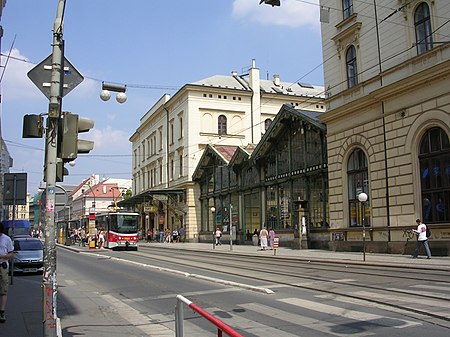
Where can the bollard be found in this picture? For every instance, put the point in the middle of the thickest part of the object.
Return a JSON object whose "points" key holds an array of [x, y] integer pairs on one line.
{"points": [[276, 243]]}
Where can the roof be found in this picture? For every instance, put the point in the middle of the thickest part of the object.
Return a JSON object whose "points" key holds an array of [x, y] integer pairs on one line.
{"points": [[223, 152], [286, 113], [266, 86], [147, 196]]}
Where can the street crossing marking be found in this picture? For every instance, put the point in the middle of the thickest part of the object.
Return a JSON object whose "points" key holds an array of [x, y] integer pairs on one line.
{"points": [[343, 312], [250, 327], [142, 322], [424, 293], [413, 301], [307, 322], [187, 294], [430, 286], [365, 304]]}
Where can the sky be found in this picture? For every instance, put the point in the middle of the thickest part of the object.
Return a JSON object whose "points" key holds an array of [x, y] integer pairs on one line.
{"points": [[153, 47]]}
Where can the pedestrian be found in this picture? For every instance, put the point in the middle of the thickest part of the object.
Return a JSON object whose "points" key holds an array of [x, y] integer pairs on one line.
{"points": [[174, 235], [83, 237], [149, 235], [167, 235], [6, 253], [218, 235], [422, 239], [263, 235], [182, 234], [256, 232], [271, 237], [101, 239], [161, 235]]}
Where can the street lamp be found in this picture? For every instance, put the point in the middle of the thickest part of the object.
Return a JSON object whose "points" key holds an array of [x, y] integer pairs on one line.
{"points": [[362, 197], [105, 94], [213, 211]]}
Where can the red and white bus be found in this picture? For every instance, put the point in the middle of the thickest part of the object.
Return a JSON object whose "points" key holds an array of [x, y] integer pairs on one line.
{"points": [[121, 229]]}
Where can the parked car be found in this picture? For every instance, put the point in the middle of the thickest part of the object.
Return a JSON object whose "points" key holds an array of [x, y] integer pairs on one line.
{"points": [[28, 255]]}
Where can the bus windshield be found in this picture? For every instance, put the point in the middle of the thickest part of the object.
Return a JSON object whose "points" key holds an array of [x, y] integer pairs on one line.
{"points": [[124, 224]]}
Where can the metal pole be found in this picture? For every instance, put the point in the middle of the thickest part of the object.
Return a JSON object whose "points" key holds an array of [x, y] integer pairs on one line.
{"points": [[13, 227], [231, 228], [364, 233], [54, 110], [179, 319]]}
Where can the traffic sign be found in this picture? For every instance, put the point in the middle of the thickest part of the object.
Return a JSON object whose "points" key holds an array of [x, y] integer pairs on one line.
{"points": [[41, 76]]}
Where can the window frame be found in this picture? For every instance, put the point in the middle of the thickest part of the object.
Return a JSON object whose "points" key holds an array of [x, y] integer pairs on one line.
{"points": [[222, 125], [423, 28], [347, 8], [351, 66], [358, 182], [434, 170]]}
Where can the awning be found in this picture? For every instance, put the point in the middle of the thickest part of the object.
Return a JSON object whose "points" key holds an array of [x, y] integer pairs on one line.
{"points": [[147, 196]]}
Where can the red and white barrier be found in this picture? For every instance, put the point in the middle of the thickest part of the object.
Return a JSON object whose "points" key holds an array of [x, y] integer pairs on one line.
{"points": [[179, 319]]}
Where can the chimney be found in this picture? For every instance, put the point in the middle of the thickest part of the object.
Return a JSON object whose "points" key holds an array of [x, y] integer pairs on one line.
{"points": [[255, 117], [276, 80], [234, 73]]}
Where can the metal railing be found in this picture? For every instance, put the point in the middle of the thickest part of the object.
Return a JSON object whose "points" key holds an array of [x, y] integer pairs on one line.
{"points": [[179, 319]]}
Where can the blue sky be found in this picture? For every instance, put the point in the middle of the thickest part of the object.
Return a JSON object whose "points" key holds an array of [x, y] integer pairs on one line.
{"points": [[150, 46]]}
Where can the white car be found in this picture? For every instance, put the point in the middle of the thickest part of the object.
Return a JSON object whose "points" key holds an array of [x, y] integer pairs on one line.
{"points": [[28, 255]]}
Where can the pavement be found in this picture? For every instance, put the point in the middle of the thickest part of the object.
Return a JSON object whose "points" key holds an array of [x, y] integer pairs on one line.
{"points": [[24, 307]]}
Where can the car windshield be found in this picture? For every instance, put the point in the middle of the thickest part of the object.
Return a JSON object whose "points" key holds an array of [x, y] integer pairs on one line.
{"points": [[27, 245]]}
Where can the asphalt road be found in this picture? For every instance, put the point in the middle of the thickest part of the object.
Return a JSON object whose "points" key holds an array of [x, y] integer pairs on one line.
{"points": [[134, 294]]}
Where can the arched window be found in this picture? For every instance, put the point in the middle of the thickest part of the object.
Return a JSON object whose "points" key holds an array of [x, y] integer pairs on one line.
{"points": [[222, 125], [422, 24], [352, 69], [347, 8], [357, 175], [267, 123], [434, 159]]}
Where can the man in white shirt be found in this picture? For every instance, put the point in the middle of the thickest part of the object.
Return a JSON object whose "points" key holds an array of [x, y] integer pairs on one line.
{"points": [[263, 235], [422, 239], [6, 253]]}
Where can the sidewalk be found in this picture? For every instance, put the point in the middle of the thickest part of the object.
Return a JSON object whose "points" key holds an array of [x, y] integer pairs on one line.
{"points": [[316, 255], [24, 308]]}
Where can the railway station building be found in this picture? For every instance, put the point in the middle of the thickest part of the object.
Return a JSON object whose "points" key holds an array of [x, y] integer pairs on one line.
{"points": [[167, 146]]}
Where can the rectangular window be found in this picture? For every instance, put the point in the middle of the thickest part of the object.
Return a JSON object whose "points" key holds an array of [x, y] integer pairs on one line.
{"points": [[347, 8]]}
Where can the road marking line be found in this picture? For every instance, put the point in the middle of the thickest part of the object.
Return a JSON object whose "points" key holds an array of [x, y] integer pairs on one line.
{"points": [[415, 302], [188, 294], [365, 303], [200, 277], [342, 312], [142, 322], [307, 322], [247, 326]]}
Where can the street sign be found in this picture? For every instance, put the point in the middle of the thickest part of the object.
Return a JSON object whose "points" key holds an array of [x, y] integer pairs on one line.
{"points": [[41, 76], [15, 189]]}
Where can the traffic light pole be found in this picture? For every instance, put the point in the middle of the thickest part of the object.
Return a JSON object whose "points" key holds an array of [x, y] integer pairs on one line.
{"points": [[51, 142]]}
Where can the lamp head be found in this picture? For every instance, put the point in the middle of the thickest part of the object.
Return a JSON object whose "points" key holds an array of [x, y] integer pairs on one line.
{"points": [[213, 209], [121, 97], [362, 197], [105, 95]]}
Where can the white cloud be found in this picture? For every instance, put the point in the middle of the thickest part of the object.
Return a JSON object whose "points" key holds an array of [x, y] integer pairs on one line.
{"points": [[109, 140], [15, 83], [291, 13]]}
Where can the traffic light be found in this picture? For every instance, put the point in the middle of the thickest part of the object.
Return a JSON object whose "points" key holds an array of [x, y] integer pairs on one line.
{"points": [[70, 125], [33, 126]]}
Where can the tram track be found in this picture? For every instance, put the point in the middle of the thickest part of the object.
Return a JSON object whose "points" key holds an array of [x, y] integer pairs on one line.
{"points": [[232, 266]]}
